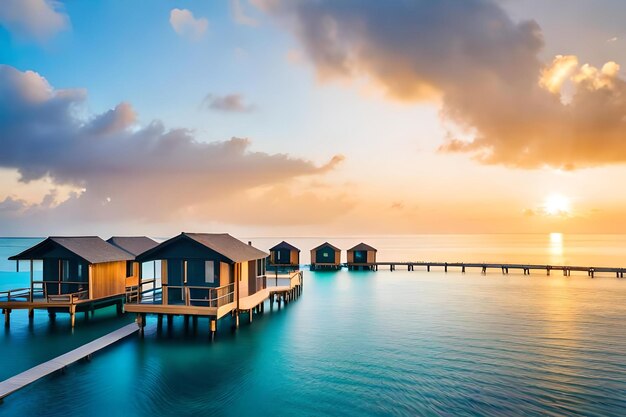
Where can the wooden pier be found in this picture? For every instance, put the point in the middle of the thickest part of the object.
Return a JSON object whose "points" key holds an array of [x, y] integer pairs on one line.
{"points": [[59, 363], [503, 267]]}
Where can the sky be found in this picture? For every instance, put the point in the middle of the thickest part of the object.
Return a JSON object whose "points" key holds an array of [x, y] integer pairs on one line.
{"points": [[312, 118]]}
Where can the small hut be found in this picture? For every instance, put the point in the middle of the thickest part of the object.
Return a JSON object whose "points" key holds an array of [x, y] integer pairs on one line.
{"points": [[285, 255], [134, 245], [361, 257], [78, 274], [325, 257], [203, 275]]}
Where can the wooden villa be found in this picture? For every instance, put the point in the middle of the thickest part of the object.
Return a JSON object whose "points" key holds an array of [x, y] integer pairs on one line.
{"points": [[284, 255], [325, 257], [361, 257], [204, 275], [79, 274], [134, 245]]}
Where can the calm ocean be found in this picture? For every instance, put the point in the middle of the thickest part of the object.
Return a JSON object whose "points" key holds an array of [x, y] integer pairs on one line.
{"points": [[361, 343]]}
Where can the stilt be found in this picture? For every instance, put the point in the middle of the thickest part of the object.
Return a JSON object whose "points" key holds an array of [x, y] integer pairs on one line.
{"points": [[7, 317], [31, 313], [119, 308], [72, 316], [428, 268], [445, 267], [250, 316], [52, 315], [212, 328], [141, 322], [159, 321], [236, 319], [463, 269]]}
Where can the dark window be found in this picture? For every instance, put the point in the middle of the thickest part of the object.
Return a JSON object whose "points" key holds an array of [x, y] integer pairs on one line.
{"points": [[129, 269]]}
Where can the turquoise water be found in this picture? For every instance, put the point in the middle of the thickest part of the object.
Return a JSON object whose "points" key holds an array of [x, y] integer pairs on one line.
{"points": [[360, 344]]}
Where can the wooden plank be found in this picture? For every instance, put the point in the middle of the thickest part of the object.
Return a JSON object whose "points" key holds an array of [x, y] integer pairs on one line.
{"points": [[28, 377]]}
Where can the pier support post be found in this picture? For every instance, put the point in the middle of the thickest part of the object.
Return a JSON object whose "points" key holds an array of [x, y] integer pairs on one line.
{"points": [[212, 328], [31, 313], [159, 321], [445, 268], [250, 315], [141, 322], [236, 319], [72, 316], [463, 269], [119, 308], [7, 317]]}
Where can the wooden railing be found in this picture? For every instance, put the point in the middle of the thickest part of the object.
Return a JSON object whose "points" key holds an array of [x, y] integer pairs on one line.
{"points": [[135, 293], [68, 298], [290, 278], [39, 291], [185, 294]]}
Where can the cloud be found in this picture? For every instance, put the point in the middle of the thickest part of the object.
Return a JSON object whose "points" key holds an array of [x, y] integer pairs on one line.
{"points": [[484, 69], [239, 15], [613, 39], [186, 25], [230, 103], [120, 169], [33, 19]]}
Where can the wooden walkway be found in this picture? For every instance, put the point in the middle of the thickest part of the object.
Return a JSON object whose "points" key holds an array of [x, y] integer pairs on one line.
{"points": [[25, 378], [504, 267]]}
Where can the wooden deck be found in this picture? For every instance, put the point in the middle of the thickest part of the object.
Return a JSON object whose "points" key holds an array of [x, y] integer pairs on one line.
{"points": [[28, 377]]}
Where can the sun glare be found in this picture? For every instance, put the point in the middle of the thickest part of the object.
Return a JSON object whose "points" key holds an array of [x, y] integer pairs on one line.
{"points": [[557, 205]]}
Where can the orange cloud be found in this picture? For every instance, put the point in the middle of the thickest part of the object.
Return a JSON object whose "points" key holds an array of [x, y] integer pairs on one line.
{"points": [[483, 66]]}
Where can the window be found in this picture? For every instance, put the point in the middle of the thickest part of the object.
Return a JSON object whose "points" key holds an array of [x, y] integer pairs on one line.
{"points": [[65, 270], [209, 272], [129, 269], [80, 272], [260, 267], [278, 255], [325, 254]]}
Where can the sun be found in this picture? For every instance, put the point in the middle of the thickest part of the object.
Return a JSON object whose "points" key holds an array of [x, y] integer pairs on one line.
{"points": [[557, 205]]}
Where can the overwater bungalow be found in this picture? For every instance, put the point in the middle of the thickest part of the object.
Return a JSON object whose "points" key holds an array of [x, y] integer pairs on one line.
{"points": [[78, 274], [325, 257], [204, 275], [361, 257], [134, 245], [284, 255]]}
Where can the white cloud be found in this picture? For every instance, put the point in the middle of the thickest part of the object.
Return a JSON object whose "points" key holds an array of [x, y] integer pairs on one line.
{"points": [[33, 19], [186, 25]]}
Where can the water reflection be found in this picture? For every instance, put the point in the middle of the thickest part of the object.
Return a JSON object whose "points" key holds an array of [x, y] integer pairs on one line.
{"points": [[556, 248]]}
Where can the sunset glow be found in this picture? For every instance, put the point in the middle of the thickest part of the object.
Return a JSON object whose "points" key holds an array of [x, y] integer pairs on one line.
{"points": [[557, 205], [273, 118]]}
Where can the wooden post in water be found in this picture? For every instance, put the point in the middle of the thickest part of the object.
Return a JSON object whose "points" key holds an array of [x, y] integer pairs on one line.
{"points": [[7, 317], [72, 315]]}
